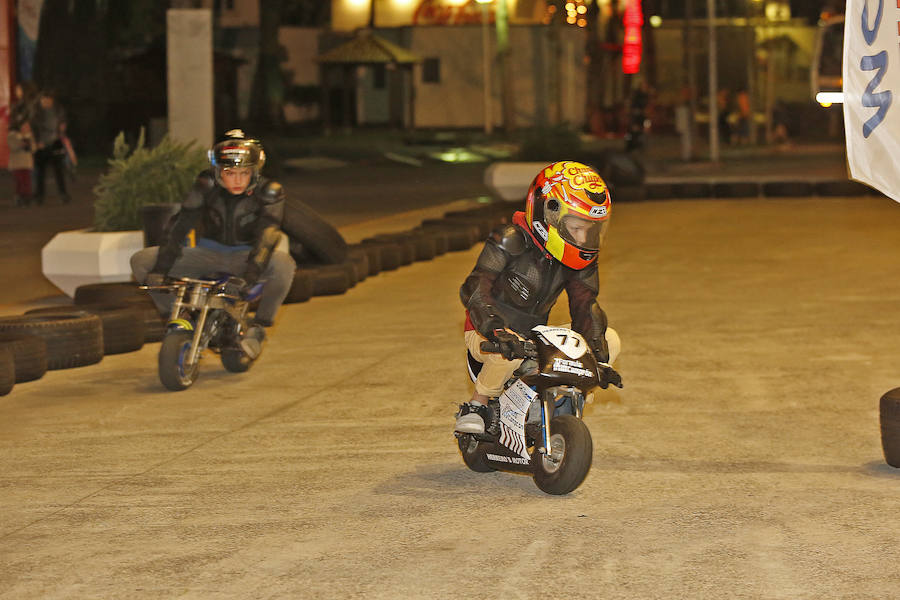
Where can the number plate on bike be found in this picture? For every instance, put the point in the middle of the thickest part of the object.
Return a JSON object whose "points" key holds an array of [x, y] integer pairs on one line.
{"points": [[569, 343]]}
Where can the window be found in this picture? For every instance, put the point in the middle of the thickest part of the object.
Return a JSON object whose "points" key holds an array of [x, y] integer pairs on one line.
{"points": [[379, 76], [431, 70]]}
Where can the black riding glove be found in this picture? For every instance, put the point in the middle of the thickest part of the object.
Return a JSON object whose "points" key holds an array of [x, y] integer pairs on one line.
{"points": [[608, 376], [511, 346]]}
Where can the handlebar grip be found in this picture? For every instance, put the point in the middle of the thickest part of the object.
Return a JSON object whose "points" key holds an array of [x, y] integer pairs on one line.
{"points": [[490, 347]]}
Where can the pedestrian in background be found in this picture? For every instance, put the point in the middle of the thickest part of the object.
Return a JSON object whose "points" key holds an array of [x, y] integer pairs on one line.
{"points": [[21, 148], [49, 127]]}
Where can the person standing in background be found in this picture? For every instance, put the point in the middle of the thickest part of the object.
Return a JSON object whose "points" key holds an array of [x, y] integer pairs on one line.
{"points": [[48, 125]]}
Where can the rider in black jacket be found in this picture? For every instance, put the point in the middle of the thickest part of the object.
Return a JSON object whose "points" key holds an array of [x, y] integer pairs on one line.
{"points": [[236, 215], [525, 266]]}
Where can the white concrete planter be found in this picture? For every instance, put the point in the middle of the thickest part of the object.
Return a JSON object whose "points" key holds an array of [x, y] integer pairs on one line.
{"points": [[74, 258], [510, 180]]}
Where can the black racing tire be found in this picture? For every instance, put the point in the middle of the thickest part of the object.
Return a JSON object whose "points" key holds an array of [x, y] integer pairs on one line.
{"points": [[441, 240], [7, 371], [360, 260], [317, 236], [571, 437], [154, 323], [423, 246], [235, 360], [484, 225], [29, 355], [108, 293], [407, 247], [172, 354], [736, 189], [328, 280], [841, 188], [889, 417], [780, 189], [692, 189], [72, 340], [473, 454], [123, 324], [658, 191], [628, 193], [301, 287], [460, 236], [373, 254], [390, 255]]}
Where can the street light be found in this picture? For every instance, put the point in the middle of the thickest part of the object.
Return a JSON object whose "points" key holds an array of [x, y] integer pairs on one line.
{"points": [[485, 45]]}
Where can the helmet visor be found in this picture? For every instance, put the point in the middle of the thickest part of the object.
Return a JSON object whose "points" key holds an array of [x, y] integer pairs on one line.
{"points": [[582, 233]]}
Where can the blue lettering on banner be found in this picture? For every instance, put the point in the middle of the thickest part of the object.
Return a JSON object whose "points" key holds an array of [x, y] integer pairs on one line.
{"points": [[879, 63], [870, 98], [870, 34]]}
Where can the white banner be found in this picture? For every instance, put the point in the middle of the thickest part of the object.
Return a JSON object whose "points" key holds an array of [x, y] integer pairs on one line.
{"points": [[871, 74]]}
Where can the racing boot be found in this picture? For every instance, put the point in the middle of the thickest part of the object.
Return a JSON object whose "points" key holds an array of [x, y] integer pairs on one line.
{"points": [[252, 341], [471, 417]]}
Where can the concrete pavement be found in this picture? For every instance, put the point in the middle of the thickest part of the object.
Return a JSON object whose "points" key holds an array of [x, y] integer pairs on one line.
{"points": [[741, 460]]}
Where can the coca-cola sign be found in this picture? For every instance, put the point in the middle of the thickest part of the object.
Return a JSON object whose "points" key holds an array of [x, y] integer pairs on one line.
{"points": [[443, 12]]}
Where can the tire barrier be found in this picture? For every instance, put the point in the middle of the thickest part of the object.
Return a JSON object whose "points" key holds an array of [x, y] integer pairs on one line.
{"points": [[373, 254], [740, 189], [780, 189], [7, 371], [301, 287], [72, 340], [108, 293], [390, 255], [320, 240], [328, 280], [29, 355], [407, 248], [889, 417], [360, 260], [841, 188], [123, 324]]}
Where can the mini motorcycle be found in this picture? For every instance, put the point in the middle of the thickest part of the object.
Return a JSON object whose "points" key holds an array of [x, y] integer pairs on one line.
{"points": [[535, 425], [207, 314]]}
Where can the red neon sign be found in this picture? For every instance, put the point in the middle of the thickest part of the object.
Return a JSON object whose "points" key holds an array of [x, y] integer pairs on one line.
{"points": [[632, 46]]}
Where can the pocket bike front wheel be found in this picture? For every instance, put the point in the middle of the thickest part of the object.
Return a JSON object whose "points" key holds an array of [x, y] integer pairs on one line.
{"points": [[568, 461], [473, 454], [235, 360], [174, 373]]}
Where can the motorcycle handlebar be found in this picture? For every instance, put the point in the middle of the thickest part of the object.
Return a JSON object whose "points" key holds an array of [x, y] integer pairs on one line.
{"points": [[527, 346]]}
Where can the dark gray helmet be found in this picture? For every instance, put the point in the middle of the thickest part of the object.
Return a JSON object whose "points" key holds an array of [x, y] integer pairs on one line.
{"points": [[236, 150]]}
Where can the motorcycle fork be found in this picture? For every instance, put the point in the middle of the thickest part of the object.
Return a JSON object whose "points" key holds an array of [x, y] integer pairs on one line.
{"points": [[198, 298], [548, 407]]}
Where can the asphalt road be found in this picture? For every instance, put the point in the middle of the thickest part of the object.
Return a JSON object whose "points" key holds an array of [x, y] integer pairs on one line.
{"points": [[741, 460]]}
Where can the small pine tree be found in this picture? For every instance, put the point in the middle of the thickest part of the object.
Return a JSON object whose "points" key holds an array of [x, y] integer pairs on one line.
{"points": [[159, 175]]}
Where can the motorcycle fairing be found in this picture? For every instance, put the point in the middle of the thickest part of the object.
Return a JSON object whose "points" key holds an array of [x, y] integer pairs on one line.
{"points": [[514, 404], [568, 342]]}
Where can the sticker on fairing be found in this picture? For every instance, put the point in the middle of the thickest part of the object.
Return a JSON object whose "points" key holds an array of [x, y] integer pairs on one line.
{"points": [[569, 343], [514, 404]]}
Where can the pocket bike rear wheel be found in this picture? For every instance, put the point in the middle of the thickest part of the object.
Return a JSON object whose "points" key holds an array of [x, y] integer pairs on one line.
{"points": [[473, 454], [567, 464], [173, 372]]}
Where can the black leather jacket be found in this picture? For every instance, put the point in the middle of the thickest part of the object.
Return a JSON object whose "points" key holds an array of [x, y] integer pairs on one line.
{"points": [[515, 284], [252, 219]]}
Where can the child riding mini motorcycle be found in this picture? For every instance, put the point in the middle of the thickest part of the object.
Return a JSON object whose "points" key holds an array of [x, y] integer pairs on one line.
{"points": [[550, 247]]}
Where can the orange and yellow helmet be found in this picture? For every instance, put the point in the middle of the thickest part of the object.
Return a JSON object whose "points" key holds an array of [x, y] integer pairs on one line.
{"points": [[567, 209]]}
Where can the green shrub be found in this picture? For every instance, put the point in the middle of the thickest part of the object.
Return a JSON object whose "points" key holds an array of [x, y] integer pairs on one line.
{"points": [[159, 175]]}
